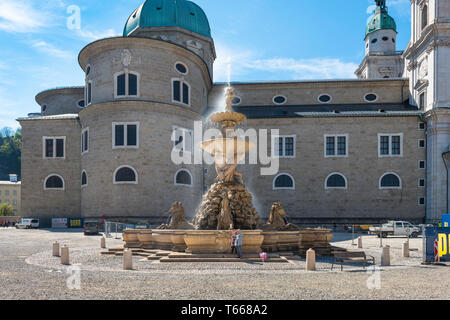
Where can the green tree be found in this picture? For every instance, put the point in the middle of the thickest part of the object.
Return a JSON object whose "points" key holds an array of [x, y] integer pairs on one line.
{"points": [[10, 152], [6, 210]]}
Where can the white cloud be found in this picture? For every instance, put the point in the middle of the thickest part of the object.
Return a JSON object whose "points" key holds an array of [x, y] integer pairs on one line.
{"points": [[52, 50], [246, 62], [21, 17], [96, 35]]}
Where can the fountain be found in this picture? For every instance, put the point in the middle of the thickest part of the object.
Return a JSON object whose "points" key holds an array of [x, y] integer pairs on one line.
{"points": [[228, 205]]}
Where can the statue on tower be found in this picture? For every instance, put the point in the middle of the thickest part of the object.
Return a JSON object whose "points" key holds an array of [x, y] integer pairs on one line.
{"points": [[381, 3]]}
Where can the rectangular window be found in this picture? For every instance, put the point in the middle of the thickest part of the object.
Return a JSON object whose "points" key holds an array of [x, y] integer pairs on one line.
{"points": [[7, 193], [390, 145], [54, 147], [422, 100], [15, 202], [421, 201], [131, 135], [15, 193], [176, 91], [121, 85], [132, 85], [126, 135], [421, 143], [421, 126], [422, 164], [180, 91], [183, 139], [336, 145], [421, 183], [89, 93], [283, 146], [85, 141]]}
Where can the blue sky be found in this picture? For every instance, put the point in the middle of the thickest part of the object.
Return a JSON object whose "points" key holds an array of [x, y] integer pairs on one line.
{"points": [[264, 40]]}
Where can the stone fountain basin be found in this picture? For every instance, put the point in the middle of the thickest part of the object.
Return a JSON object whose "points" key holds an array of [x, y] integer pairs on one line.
{"points": [[131, 238], [145, 237], [219, 241]]}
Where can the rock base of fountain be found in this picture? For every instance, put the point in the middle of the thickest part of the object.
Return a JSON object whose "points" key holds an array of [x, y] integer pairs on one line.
{"points": [[243, 213]]}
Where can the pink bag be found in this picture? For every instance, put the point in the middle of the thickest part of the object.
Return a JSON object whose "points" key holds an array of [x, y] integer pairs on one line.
{"points": [[263, 256]]}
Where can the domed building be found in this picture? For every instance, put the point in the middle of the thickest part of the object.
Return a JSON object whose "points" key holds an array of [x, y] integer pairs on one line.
{"points": [[348, 151]]}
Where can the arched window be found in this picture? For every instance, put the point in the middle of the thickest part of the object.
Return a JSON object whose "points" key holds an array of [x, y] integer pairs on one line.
{"points": [[54, 182], [424, 17], [126, 84], [125, 175], [390, 180], [181, 91], [283, 181], [84, 179], [183, 178], [336, 181]]}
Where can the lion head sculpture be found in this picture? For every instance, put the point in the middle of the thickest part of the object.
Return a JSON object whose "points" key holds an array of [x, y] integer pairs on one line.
{"points": [[278, 219]]}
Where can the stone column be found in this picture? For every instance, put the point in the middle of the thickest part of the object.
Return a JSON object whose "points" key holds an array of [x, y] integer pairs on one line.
{"points": [[360, 245], [310, 260], [65, 255], [438, 144], [127, 259], [103, 243], [386, 256], [56, 249]]}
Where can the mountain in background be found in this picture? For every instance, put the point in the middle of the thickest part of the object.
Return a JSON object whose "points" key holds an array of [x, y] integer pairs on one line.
{"points": [[10, 152]]}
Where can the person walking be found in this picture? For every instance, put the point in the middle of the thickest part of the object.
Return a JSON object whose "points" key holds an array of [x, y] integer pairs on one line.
{"points": [[238, 243], [233, 239]]}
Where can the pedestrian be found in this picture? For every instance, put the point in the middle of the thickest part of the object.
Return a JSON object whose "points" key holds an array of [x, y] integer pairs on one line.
{"points": [[233, 239], [238, 243]]}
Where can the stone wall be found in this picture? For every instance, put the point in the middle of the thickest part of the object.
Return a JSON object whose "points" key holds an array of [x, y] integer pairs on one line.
{"points": [[40, 203]]}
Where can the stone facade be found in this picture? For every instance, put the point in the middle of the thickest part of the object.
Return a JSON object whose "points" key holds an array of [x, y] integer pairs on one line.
{"points": [[359, 109]]}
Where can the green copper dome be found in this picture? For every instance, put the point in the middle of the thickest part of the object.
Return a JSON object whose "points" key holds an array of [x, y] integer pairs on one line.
{"points": [[169, 13], [381, 20]]}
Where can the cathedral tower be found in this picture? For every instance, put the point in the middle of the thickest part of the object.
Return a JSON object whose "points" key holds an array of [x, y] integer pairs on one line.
{"points": [[428, 64], [381, 59]]}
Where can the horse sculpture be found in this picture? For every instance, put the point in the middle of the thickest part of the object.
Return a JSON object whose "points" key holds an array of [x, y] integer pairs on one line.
{"points": [[278, 220], [178, 219]]}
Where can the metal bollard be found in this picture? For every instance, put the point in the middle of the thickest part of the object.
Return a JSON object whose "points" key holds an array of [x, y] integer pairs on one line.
{"points": [[103, 243], [360, 245], [127, 259], [65, 255], [406, 249], [386, 256], [56, 249], [310, 260]]}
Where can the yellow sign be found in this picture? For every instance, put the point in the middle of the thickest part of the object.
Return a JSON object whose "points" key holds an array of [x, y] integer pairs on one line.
{"points": [[443, 247]]}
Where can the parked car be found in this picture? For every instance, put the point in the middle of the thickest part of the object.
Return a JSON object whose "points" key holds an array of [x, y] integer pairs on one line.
{"points": [[27, 223], [90, 227], [396, 228]]}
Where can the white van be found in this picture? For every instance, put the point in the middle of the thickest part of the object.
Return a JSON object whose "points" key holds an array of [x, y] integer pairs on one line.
{"points": [[27, 223]]}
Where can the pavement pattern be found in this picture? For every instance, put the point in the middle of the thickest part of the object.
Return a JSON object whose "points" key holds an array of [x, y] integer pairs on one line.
{"points": [[28, 271]]}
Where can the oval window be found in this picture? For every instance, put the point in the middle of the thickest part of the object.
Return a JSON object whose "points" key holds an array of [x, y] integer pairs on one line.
{"points": [[385, 38], [44, 108], [370, 97], [324, 98], [181, 68], [279, 99], [88, 70], [81, 103], [236, 101], [374, 40]]}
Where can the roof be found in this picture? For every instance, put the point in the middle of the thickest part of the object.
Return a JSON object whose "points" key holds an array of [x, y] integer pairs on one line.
{"points": [[6, 182], [54, 117], [329, 110], [381, 20], [168, 13]]}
